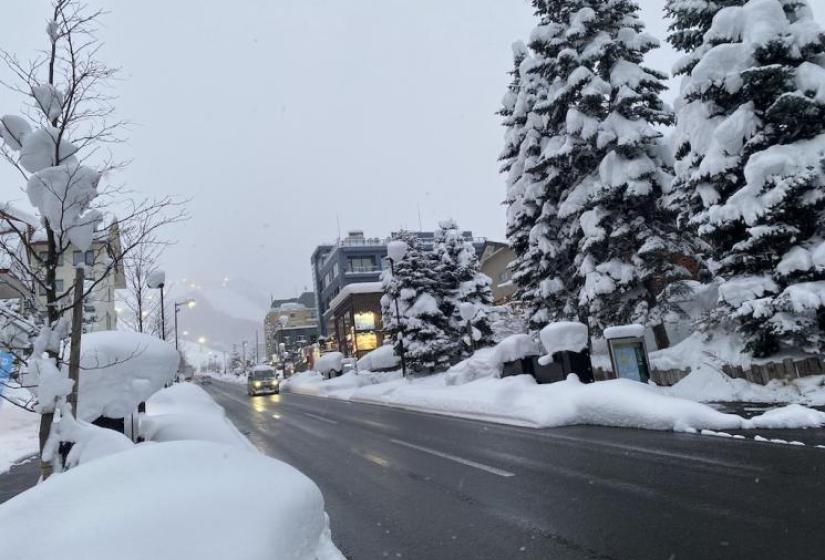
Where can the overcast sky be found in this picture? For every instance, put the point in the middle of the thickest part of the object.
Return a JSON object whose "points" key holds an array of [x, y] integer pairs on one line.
{"points": [[282, 117]]}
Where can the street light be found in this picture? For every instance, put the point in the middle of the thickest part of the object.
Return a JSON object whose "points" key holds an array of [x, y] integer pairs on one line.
{"points": [[157, 280], [467, 311], [395, 252], [190, 303]]}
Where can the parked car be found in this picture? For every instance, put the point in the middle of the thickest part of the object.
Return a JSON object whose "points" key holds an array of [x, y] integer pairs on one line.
{"points": [[262, 380]]}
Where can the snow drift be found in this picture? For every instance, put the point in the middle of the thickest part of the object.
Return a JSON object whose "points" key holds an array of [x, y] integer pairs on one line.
{"points": [[171, 501]]}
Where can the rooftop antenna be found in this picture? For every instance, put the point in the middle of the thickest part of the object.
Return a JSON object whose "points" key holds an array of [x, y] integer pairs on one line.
{"points": [[338, 221], [420, 227]]}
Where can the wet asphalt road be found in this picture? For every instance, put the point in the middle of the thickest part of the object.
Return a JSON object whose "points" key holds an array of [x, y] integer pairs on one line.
{"points": [[401, 484]]}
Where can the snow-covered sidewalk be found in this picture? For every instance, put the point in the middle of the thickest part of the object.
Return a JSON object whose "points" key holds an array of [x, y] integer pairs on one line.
{"points": [[197, 489], [18, 432], [519, 400]]}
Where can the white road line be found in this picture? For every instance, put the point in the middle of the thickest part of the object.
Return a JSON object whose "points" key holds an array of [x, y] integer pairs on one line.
{"points": [[467, 462], [321, 418]]}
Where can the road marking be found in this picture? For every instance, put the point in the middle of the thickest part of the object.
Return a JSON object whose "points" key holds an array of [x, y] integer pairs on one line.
{"points": [[321, 418], [466, 462]]}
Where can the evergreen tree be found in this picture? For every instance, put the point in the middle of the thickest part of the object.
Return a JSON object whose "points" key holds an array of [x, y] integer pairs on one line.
{"points": [[750, 146], [525, 130], [690, 20], [602, 248], [425, 330], [463, 282]]}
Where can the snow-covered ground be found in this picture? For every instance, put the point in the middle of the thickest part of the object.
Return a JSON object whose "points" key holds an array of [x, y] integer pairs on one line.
{"points": [[197, 489], [474, 389], [18, 432], [220, 376]]}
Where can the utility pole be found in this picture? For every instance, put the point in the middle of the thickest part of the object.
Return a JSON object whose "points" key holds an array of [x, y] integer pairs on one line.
{"points": [[256, 347]]}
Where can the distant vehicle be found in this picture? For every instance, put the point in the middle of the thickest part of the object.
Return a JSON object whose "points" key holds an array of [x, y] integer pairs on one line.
{"points": [[262, 380]]}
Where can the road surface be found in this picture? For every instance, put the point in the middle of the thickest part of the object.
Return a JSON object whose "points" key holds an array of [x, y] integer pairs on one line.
{"points": [[400, 484]]}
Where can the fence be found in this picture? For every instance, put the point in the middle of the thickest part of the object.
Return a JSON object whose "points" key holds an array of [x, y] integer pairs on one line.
{"points": [[758, 373]]}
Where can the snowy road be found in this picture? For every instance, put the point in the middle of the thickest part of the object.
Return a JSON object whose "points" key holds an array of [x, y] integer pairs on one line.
{"points": [[401, 484]]}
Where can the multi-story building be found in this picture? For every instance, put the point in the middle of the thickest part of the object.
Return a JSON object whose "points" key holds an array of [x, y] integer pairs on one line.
{"points": [[103, 275], [292, 323], [495, 262], [356, 259]]}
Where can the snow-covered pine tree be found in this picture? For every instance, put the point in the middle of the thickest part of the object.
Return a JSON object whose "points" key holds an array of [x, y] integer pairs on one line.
{"points": [[599, 245], [689, 21], [750, 143], [542, 228], [628, 257], [463, 282], [523, 139], [428, 343]]}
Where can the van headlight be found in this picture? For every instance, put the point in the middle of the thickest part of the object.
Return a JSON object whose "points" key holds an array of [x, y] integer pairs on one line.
{"points": [[257, 384]]}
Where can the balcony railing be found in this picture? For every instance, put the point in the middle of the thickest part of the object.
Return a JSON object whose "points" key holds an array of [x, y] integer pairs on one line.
{"points": [[363, 270]]}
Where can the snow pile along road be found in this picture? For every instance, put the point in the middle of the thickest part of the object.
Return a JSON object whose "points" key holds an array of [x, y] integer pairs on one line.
{"points": [[186, 412], [474, 389], [187, 500], [197, 490]]}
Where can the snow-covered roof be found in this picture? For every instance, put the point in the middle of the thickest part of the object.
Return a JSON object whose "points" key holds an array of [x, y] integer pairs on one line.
{"points": [[355, 288]]}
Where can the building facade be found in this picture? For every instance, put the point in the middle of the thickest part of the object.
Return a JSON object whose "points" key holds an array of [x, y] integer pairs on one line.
{"points": [[356, 318], [495, 263], [357, 259], [104, 273], [289, 326]]}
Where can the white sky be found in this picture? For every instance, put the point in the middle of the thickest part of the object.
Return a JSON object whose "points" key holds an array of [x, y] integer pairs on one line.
{"points": [[279, 116]]}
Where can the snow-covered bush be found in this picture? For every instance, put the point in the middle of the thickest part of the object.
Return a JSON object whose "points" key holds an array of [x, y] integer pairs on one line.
{"points": [[119, 370]]}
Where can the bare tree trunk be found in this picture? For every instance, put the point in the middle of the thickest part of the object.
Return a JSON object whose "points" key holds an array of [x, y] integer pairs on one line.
{"points": [[77, 331]]}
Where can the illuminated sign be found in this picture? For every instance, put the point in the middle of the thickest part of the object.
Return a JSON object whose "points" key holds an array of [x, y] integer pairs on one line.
{"points": [[365, 321]]}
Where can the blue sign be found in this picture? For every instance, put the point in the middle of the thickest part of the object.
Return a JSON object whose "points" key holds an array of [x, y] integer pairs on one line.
{"points": [[6, 367]]}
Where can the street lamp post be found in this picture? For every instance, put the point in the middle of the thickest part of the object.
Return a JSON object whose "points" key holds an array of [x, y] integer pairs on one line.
{"points": [[157, 280], [395, 252], [190, 303], [467, 311]]}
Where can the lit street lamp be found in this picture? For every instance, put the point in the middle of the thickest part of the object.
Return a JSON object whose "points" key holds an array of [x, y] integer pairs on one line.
{"points": [[190, 303], [395, 252]]}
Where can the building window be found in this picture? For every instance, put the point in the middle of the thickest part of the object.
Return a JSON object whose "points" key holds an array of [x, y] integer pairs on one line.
{"points": [[366, 341], [504, 276], [361, 264], [44, 256], [88, 258], [335, 270], [58, 285]]}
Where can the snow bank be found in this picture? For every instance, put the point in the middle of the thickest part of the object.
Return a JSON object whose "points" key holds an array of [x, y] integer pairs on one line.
{"points": [[119, 370], [624, 331], [381, 358], [312, 383], [224, 377], [171, 501], [563, 336], [474, 389], [186, 412], [520, 401], [18, 431]]}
